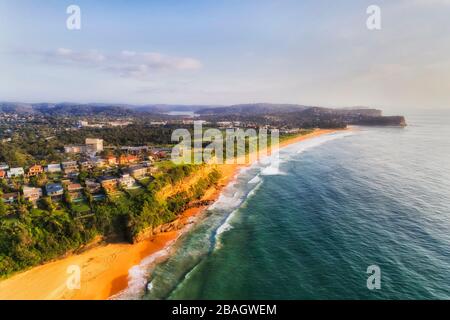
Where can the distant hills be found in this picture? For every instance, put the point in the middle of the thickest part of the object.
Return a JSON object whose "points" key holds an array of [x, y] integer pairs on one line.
{"points": [[255, 108], [285, 114], [77, 109], [120, 109]]}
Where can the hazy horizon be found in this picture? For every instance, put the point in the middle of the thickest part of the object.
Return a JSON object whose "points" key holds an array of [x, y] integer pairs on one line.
{"points": [[228, 52]]}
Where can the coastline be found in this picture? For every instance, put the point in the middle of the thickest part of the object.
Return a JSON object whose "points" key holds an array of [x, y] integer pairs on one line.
{"points": [[104, 269]]}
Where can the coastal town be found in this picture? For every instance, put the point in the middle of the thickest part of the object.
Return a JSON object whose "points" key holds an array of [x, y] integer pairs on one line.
{"points": [[86, 176]]}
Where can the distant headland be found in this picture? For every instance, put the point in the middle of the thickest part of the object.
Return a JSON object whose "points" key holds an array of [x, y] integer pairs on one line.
{"points": [[270, 114]]}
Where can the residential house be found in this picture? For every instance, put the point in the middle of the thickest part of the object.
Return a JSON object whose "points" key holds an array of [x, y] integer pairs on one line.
{"points": [[10, 197], [75, 190], [123, 160], [54, 190], [128, 159], [158, 123], [92, 186], [147, 163], [32, 194], [4, 166], [126, 181], [35, 170], [70, 167], [225, 124], [73, 175], [54, 168], [86, 164], [137, 172], [100, 163], [160, 153], [112, 161], [2, 174], [135, 150], [132, 159], [75, 149], [152, 170], [15, 172], [108, 183]]}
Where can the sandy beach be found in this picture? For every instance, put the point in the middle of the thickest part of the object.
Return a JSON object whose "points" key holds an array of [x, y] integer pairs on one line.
{"points": [[104, 269]]}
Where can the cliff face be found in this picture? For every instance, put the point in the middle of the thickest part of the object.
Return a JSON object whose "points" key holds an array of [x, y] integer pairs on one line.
{"points": [[382, 121], [184, 186]]}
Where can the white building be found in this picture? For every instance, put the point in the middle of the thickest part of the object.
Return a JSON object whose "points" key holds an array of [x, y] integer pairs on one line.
{"points": [[32, 194], [74, 149], [70, 166], [94, 145], [53, 168], [126, 181], [15, 172], [82, 123]]}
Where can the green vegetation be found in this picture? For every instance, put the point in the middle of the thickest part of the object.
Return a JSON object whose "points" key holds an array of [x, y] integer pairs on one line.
{"points": [[30, 236], [43, 141]]}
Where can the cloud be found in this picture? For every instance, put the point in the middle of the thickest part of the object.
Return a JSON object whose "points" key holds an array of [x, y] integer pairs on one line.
{"points": [[129, 64], [139, 65], [63, 55]]}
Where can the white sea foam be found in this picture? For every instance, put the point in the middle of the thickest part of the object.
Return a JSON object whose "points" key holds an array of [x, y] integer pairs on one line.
{"points": [[254, 190], [224, 227], [256, 179], [272, 170], [138, 275], [227, 224], [315, 142], [189, 274], [226, 201], [243, 170]]}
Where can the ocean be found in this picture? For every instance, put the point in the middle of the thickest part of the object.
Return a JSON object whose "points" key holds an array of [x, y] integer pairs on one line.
{"points": [[336, 205]]}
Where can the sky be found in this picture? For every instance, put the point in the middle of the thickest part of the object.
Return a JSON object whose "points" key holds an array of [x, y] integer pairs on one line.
{"points": [[227, 52]]}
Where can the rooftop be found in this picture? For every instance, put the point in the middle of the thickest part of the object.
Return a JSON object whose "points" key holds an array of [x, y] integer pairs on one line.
{"points": [[53, 187]]}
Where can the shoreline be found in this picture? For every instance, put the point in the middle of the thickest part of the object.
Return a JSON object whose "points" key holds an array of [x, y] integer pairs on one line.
{"points": [[105, 268]]}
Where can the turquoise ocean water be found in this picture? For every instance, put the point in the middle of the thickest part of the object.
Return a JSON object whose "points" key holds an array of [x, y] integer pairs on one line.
{"points": [[309, 229]]}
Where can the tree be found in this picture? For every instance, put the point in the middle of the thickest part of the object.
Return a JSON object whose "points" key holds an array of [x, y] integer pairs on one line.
{"points": [[41, 180], [3, 208], [83, 176], [89, 197], [48, 203], [67, 198]]}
